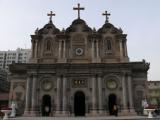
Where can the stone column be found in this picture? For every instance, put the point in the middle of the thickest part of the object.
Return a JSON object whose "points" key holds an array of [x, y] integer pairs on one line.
{"points": [[130, 94], [60, 48], [58, 105], [124, 93], [34, 96], [64, 95], [100, 97], [27, 99], [94, 97]]}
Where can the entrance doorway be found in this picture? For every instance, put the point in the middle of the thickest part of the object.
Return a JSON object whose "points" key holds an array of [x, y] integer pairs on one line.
{"points": [[79, 104], [46, 105], [112, 100]]}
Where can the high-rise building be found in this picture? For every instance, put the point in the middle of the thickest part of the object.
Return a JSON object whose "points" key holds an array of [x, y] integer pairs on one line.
{"points": [[13, 56], [154, 92]]}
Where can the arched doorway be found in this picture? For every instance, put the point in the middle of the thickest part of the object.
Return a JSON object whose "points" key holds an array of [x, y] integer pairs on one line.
{"points": [[112, 100], [79, 104], [46, 105]]}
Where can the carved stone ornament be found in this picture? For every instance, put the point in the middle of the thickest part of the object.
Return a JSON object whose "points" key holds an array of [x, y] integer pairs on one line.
{"points": [[75, 24], [79, 83], [111, 84], [47, 85], [48, 28]]}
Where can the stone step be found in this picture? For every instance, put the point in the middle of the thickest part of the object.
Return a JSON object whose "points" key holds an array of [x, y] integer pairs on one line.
{"points": [[87, 118]]}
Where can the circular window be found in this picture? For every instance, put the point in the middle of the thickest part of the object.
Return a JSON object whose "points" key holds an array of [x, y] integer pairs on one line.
{"points": [[47, 85], [79, 51], [111, 84]]}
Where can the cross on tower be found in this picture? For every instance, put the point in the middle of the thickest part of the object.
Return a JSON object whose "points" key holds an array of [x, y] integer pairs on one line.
{"points": [[51, 14], [106, 14], [78, 9]]}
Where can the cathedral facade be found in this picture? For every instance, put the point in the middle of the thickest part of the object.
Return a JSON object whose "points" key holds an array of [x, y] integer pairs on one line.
{"points": [[78, 71]]}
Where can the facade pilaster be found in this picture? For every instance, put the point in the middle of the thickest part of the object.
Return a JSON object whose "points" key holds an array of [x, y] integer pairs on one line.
{"points": [[34, 96], [121, 50], [125, 49], [32, 48], [64, 49], [60, 49], [94, 97], [64, 95], [97, 49], [36, 48], [124, 93], [131, 106], [100, 106], [98, 59], [27, 99], [58, 101], [93, 50]]}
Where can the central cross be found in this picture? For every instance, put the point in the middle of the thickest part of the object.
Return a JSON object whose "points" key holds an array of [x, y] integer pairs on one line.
{"points": [[51, 14], [106, 14], [78, 9]]}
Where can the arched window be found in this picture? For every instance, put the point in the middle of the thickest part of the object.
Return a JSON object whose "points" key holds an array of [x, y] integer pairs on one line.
{"points": [[48, 45]]}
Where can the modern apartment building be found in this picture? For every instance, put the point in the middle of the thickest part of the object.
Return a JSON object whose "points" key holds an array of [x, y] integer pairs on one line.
{"points": [[4, 84], [13, 56], [6, 58], [4, 88], [154, 92]]}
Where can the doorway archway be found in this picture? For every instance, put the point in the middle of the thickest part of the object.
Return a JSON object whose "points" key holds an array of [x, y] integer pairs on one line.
{"points": [[79, 104], [46, 105], [112, 100]]}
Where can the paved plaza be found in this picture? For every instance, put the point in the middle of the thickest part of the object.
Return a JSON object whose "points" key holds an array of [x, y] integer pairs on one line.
{"points": [[88, 118]]}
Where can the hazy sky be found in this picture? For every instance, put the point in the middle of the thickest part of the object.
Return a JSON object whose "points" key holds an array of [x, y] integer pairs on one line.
{"points": [[140, 19]]}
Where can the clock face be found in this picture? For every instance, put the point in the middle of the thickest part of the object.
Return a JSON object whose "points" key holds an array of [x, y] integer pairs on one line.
{"points": [[79, 51], [47, 85], [111, 84]]}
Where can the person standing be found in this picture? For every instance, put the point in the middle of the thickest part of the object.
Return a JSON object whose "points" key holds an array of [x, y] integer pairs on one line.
{"points": [[115, 109]]}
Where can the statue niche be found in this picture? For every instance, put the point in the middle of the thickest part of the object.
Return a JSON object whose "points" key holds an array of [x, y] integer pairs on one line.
{"points": [[48, 48], [108, 46], [48, 45]]}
